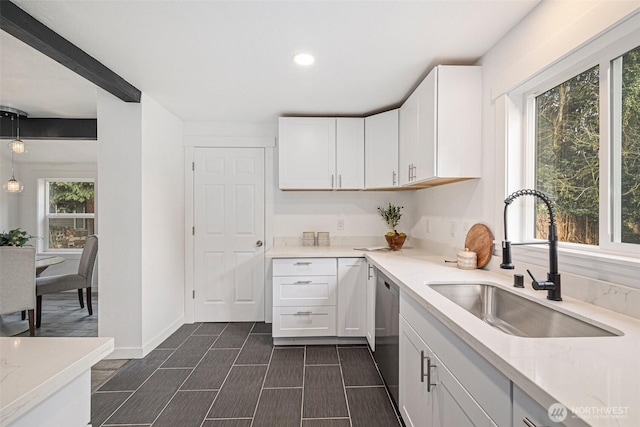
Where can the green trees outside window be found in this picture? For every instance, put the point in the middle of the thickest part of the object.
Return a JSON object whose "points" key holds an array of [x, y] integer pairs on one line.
{"points": [[567, 144]]}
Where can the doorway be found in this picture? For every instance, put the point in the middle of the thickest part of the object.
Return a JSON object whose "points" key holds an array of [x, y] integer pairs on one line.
{"points": [[229, 231]]}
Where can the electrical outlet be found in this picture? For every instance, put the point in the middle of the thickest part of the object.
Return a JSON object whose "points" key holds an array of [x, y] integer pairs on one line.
{"points": [[340, 224], [452, 229], [427, 225]]}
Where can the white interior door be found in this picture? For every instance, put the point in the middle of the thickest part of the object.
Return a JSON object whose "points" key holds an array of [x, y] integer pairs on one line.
{"points": [[229, 231]]}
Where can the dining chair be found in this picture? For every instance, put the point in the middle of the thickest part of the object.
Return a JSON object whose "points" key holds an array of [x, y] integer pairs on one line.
{"points": [[17, 281], [52, 284]]}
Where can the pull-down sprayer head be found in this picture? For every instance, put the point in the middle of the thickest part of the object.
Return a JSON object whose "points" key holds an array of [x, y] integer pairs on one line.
{"points": [[506, 244]]}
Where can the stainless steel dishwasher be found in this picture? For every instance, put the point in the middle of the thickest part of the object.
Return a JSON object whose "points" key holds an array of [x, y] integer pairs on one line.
{"points": [[387, 332]]}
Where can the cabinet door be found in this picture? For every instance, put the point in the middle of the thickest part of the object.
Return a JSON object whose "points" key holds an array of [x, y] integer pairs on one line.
{"points": [[426, 146], [352, 297], [416, 403], [381, 150], [452, 404], [349, 154], [408, 138], [371, 306], [524, 407], [307, 153], [460, 99]]}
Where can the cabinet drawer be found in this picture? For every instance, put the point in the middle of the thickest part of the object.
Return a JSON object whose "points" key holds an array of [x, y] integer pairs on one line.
{"points": [[304, 321], [292, 291], [305, 267]]}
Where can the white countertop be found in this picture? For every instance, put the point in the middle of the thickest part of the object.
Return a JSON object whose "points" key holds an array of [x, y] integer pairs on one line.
{"points": [[584, 374], [314, 252], [33, 368]]}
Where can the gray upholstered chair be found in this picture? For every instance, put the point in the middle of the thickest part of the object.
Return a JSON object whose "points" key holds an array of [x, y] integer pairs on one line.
{"points": [[17, 281], [66, 282]]}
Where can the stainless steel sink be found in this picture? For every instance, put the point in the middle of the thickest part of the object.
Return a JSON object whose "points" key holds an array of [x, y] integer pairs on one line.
{"points": [[515, 315]]}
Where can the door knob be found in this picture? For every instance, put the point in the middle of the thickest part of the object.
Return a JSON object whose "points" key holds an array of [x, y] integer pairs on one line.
{"points": [[259, 243]]}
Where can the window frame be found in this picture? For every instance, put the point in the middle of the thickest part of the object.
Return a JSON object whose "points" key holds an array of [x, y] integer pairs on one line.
{"points": [[47, 216], [524, 97]]}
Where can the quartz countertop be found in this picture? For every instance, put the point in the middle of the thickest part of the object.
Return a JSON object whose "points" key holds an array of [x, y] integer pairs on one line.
{"points": [[34, 368], [597, 378]]}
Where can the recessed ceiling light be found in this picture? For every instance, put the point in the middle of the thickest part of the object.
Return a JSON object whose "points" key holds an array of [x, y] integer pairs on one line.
{"points": [[303, 59]]}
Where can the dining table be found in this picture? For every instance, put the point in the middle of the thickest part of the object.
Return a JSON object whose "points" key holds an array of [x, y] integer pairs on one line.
{"points": [[9, 325], [45, 261]]}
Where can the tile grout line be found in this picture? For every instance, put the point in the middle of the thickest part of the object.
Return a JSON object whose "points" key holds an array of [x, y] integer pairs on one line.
{"points": [[304, 374], [264, 380], [141, 384], [344, 387], [192, 369], [396, 411], [228, 372]]}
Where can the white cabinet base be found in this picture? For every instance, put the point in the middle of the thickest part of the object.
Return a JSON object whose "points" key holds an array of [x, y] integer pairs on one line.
{"points": [[70, 406]]}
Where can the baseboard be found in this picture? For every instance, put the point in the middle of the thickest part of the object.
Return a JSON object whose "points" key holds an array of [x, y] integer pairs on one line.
{"points": [[163, 335], [319, 341], [126, 353]]}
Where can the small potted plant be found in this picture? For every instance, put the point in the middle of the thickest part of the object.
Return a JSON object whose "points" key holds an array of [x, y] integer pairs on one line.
{"points": [[391, 215], [15, 237]]}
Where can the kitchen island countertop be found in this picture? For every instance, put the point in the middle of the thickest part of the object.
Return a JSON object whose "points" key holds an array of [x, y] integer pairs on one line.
{"points": [[32, 369]]}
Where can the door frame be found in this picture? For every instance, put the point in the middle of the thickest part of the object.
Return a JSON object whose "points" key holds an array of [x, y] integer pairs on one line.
{"points": [[268, 143]]}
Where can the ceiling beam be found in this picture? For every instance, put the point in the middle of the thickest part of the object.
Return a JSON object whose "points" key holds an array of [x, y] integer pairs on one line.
{"points": [[49, 128], [29, 30]]}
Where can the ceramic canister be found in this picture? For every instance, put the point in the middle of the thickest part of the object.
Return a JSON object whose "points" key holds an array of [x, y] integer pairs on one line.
{"points": [[467, 260]]}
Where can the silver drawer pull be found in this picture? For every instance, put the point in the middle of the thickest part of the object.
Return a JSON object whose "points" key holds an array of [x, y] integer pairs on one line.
{"points": [[303, 282], [303, 263], [303, 313], [428, 373], [527, 422]]}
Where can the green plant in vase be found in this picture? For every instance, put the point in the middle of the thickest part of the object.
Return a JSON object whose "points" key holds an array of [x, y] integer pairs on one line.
{"points": [[391, 216], [15, 237]]}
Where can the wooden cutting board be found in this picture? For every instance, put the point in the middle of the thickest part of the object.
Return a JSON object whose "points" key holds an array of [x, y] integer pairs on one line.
{"points": [[480, 240]]}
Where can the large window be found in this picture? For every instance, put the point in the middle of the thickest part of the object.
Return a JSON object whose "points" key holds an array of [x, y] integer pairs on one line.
{"points": [[567, 143], [70, 214], [626, 146], [586, 153]]}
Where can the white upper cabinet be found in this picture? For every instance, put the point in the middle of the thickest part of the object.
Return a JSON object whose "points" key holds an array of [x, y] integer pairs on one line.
{"points": [[440, 128], [319, 153], [307, 153], [349, 153], [381, 150]]}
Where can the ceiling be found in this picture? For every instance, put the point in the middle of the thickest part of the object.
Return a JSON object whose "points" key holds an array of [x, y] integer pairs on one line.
{"points": [[230, 61]]}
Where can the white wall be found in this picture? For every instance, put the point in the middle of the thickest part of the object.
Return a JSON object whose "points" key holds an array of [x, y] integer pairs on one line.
{"points": [[298, 211], [162, 223], [550, 32], [141, 195], [119, 229]]}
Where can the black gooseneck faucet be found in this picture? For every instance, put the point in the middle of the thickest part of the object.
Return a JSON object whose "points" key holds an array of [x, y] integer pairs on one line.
{"points": [[552, 284]]}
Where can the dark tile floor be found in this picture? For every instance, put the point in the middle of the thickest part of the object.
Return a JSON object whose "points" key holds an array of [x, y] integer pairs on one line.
{"points": [[219, 374], [62, 317]]}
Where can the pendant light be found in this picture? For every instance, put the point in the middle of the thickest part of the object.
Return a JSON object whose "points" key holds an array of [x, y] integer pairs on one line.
{"points": [[13, 185], [17, 145]]}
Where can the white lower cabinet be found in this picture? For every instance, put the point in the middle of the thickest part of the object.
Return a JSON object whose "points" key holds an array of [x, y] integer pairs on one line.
{"points": [[443, 382], [352, 297], [529, 413], [319, 297], [429, 394]]}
